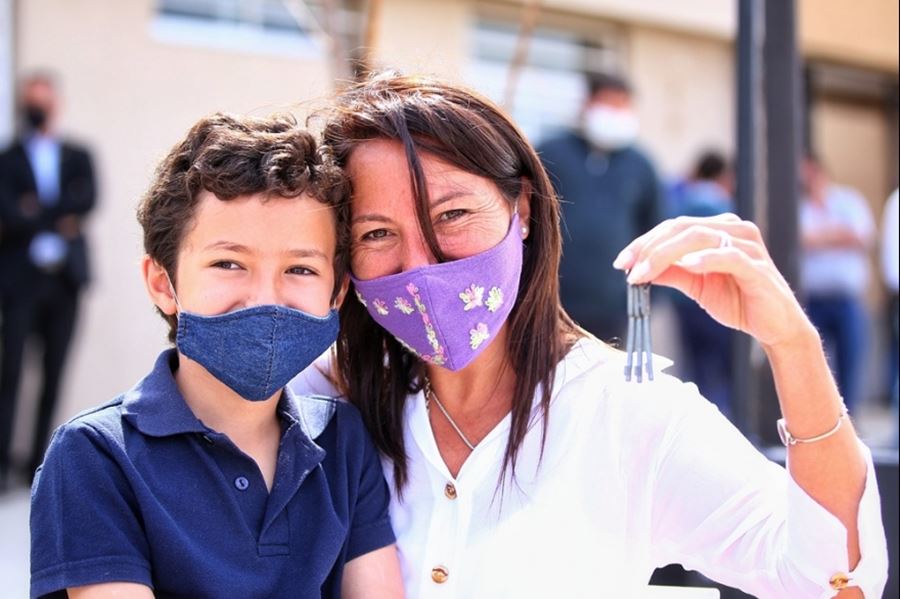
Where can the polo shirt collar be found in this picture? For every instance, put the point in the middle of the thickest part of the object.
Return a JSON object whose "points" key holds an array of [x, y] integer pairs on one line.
{"points": [[156, 407]]}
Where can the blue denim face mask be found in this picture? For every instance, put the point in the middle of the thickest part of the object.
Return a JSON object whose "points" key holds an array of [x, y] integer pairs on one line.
{"points": [[257, 350]]}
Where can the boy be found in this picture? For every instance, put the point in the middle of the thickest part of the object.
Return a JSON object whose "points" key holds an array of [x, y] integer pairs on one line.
{"points": [[206, 479]]}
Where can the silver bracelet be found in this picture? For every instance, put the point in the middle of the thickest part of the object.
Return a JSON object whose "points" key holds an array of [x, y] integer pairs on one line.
{"points": [[788, 439]]}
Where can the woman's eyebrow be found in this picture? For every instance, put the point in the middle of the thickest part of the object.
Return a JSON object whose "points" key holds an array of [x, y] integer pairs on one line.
{"points": [[369, 218], [452, 195]]}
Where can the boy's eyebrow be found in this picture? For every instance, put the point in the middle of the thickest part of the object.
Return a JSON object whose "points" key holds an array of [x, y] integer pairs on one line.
{"points": [[229, 245], [243, 249], [308, 253]]}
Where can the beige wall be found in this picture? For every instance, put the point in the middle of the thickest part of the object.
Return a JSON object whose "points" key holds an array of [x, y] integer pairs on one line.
{"points": [[131, 98], [429, 36], [685, 95], [858, 32]]}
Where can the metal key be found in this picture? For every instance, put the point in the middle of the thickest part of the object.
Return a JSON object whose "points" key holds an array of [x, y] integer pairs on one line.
{"points": [[638, 345]]}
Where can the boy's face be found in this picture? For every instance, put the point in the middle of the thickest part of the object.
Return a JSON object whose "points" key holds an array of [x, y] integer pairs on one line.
{"points": [[254, 250]]}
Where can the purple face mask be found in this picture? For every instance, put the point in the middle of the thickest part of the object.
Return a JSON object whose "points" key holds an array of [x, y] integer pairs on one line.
{"points": [[448, 313]]}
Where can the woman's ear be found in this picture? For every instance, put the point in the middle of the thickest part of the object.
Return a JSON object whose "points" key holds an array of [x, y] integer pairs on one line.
{"points": [[158, 286], [342, 292], [523, 206]]}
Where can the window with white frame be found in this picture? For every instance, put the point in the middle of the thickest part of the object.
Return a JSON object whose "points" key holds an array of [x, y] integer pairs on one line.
{"points": [[293, 27], [551, 85]]}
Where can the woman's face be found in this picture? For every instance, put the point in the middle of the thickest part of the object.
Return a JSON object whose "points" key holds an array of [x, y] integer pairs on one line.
{"points": [[468, 212]]}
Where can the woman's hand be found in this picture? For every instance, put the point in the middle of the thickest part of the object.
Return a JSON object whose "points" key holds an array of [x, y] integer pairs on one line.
{"points": [[721, 263]]}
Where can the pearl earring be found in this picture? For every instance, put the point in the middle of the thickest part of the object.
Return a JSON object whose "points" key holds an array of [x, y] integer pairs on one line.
{"points": [[524, 231]]}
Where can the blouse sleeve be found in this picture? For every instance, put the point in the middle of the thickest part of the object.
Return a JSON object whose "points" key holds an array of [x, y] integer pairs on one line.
{"points": [[723, 509]]}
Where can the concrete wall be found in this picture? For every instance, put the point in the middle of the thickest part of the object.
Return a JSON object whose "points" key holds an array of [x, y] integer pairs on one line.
{"points": [[858, 32], [685, 95]]}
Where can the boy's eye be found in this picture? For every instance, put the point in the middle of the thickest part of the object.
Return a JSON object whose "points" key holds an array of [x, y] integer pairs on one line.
{"points": [[226, 265]]}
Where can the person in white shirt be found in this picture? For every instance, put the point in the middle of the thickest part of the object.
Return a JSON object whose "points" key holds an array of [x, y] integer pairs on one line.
{"points": [[837, 232], [521, 462]]}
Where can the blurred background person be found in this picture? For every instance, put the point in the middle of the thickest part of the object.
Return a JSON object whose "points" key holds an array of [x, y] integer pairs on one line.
{"points": [[706, 344], [46, 189], [890, 255], [609, 194], [837, 232]]}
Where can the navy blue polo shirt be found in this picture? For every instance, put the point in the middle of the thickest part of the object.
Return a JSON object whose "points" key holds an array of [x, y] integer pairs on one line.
{"points": [[139, 490]]}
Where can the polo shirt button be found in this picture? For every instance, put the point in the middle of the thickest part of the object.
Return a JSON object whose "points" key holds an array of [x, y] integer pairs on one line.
{"points": [[440, 574], [241, 483], [839, 581], [450, 491]]}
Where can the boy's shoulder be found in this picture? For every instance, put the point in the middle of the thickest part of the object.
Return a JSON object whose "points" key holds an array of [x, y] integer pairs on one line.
{"points": [[104, 420]]}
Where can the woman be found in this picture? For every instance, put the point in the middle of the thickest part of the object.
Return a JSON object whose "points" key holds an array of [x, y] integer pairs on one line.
{"points": [[521, 463]]}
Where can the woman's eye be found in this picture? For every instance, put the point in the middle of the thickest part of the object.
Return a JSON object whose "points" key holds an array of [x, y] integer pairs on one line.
{"points": [[301, 270], [451, 214], [375, 234]]}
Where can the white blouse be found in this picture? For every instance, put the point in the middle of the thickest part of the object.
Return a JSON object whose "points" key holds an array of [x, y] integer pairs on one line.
{"points": [[633, 477]]}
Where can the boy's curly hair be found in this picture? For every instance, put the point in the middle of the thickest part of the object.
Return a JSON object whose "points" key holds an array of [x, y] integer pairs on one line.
{"points": [[231, 156]]}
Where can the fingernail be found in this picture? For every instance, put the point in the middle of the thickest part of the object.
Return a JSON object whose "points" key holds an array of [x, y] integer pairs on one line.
{"points": [[638, 272], [624, 257]]}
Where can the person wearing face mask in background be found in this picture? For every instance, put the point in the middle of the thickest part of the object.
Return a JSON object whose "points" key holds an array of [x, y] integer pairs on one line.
{"points": [[609, 195], [47, 188]]}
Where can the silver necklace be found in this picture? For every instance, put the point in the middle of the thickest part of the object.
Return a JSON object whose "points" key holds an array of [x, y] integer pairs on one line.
{"points": [[429, 395]]}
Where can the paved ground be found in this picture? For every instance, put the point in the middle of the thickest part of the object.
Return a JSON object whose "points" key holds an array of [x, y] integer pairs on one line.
{"points": [[14, 544], [874, 425]]}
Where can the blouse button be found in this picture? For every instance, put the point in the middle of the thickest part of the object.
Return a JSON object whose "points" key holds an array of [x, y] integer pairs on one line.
{"points": [[839, 581], [439, 574], [241, 483], [450, 491]]}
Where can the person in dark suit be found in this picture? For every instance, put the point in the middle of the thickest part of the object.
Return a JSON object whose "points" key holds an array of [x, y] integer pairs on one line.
{"points": [[47, 188]]}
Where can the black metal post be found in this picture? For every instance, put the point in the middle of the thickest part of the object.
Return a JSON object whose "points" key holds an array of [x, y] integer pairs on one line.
{"points": [[784, 122], [743, 393]]}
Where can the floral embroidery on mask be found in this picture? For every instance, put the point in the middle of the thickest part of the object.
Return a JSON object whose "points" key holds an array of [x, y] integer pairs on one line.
{"points": [[494, 299], [438, 358], [478, 335], [404, 306], [361, 299], [380, 307], [472, 297]]}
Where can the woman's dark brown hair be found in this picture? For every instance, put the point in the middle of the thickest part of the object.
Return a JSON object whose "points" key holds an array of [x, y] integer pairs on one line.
{"points": [[468, 131], [232, 156]]}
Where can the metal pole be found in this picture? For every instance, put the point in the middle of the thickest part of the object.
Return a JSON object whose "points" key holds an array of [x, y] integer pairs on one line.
{"points": [[744, 396], [784, 121]]}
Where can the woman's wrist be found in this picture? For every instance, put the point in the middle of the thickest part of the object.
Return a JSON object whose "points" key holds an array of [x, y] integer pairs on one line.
{"points": [[804, 343]]}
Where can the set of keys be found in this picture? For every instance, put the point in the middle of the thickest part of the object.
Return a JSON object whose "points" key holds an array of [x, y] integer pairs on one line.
{"points": [[638, 350]]}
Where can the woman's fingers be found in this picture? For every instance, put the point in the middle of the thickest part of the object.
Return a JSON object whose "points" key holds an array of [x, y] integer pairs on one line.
{"points": [[731, 224], [664, 251]]}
